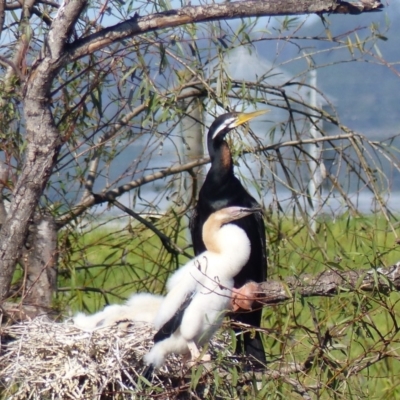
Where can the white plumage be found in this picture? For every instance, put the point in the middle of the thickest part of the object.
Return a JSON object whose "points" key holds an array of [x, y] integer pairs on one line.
{"points": [[202, 288], [141, 307]]}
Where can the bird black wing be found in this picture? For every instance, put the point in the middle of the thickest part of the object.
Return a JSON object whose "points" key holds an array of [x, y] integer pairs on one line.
{"points": [[215, 195], [196, 225], [256, 267], [173, 324], [263, 243]]}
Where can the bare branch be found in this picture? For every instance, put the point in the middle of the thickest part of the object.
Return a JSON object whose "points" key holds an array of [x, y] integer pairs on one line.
{"points": [[115, 193], [116, 129], [170, 246], [329, 283], [9, 63], [13, 6], [18, 62], [194, 14], [49, 3], [4, 173], [107, 196]]}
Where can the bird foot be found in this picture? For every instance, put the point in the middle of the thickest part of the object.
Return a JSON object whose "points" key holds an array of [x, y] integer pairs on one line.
{"points": [[206, 359], [193, 357], [243, 297]]}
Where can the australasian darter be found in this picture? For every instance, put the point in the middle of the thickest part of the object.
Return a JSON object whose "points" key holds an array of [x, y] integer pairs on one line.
{"points": [[199, 293], [140, 307], [222, 189]]}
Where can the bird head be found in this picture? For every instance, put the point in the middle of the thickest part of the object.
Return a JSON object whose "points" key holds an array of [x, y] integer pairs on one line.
{"points": [[226, 122], [230, 214], [222, 237]]}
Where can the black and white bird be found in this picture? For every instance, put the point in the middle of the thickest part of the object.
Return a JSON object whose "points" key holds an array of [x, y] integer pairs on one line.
{"points": [[140, 307], [199, 293], [222, 189]]}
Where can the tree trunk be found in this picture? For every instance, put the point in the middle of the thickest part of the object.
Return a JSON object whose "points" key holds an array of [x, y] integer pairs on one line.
{"points": [[35, 174], [192, 136], [43, 142], [39, 258]]}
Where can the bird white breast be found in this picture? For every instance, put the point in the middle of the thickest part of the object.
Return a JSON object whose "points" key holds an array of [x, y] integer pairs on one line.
{"points": [[215, 282], [206, 311], [234, 248]]}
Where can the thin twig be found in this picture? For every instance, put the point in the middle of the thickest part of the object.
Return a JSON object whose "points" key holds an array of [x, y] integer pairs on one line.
{"points": [[169, 245]]}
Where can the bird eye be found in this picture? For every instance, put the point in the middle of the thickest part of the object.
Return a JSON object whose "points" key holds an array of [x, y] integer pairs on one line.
{"points": [[224, 126]]}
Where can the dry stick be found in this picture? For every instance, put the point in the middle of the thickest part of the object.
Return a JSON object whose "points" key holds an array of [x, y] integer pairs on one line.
{"points": [[248, 377], [327, 283], [329, 118], [170, 246], [330, 283]]}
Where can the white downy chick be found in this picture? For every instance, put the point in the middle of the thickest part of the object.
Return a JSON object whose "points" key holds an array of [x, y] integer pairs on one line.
{"points": [[199, 293], [140, 307]]}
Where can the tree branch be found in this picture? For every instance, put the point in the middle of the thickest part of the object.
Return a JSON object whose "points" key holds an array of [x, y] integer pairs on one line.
{"points": [[2, 14], [107, 196], [43, 142], [169, 245], [117, 128], [194, 14], [110, 195], [329, 283], [8, 63]]}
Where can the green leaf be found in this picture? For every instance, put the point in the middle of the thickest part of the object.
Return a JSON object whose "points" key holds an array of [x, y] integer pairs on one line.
{"points": [[197, 372]]}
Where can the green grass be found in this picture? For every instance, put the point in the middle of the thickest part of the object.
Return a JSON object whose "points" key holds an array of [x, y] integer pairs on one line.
{"points": [[343, 243], [339, 333], [355, 325], [118, 262], [124, 260]]}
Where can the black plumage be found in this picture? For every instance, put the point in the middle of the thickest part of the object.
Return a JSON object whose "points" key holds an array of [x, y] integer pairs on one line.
{"points": [[222, 189], [173, 324]]}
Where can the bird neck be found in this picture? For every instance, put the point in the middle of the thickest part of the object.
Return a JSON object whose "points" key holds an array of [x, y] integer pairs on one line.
{"points": [[221, 158], [228, 241]]}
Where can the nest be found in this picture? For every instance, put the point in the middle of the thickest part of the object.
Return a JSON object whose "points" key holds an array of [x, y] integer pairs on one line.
{"points": [[47, 360]]}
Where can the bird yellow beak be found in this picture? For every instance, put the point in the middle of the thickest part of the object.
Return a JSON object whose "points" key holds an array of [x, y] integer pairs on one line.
{"points": [[244, 117]]}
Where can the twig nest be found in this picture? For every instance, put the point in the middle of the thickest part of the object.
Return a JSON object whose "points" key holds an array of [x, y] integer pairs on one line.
{"points": [[48, 360]]}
